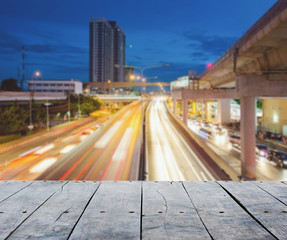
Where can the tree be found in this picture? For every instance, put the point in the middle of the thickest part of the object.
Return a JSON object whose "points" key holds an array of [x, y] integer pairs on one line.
{"points": [[87, 108], [88, 104], [10, 85], [13, 119]]}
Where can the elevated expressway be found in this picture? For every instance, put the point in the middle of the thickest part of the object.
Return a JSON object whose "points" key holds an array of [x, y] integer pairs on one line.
{"points": [[255, 66], [111, 85]]}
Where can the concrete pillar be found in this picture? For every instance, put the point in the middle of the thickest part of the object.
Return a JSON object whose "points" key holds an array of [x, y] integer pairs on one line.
{"points": [[223, 111], [247, 133], [195, 110], [184, 110], [206, 110], [174, 105]]}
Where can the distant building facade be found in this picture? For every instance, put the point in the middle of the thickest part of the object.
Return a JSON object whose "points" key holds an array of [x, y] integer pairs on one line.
{"points": [[274, 118], [107, 49], [180, 82], [56, 86]]}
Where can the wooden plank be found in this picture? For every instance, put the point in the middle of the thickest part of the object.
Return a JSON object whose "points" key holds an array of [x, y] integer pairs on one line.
{"points": [[222, 216], [15, 209], [8, 188], [56, 218], [276, 189], [267, 210], [169, 214], [113, 213]]}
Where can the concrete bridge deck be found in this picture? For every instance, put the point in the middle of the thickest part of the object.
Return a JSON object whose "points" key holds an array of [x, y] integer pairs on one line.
{"points": [[143, 210]]}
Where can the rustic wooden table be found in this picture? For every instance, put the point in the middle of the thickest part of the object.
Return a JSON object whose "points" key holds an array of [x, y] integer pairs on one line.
{"points": [[143, 210]]}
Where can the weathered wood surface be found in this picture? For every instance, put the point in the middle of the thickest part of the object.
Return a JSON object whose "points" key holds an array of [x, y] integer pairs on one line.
{"points": [[168, 213], [267, 210], [10, 188], [56, 217], [222, 216], [113, 213], [20, 206], [143, 210]]}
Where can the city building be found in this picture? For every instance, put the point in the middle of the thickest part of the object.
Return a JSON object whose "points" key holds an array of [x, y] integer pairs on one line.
{"points": [[274, 118], [107, 50], [180, 82], [56, 86]]}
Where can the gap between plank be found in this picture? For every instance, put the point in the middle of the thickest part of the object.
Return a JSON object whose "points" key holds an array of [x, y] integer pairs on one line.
{"points": [[141, 219], [34, 211], [246, 210], [196, 211], [83, 211], [270, 194], [15, 192]]}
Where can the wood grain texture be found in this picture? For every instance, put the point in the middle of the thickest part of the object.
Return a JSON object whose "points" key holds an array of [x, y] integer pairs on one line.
{"points": [[8, 188], [143, 210], [113, 213], [169, 214], [267, 210], [15, 209], [222, 216], [56, 218], [276, 189]]}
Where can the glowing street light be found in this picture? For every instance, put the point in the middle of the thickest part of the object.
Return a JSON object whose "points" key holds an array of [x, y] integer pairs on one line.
{"points": [[35, 74], [47, 104], [141, 77]]}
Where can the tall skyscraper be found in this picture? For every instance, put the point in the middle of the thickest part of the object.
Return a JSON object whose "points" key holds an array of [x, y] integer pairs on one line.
{"points": [[107, 49]]}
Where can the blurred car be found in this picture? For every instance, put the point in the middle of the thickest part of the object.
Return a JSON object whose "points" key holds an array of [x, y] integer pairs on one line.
{"points": [[279, 158], [234, 140], [87, 131], [218, 130], [205, 124], [262, 150], [205, 133]]}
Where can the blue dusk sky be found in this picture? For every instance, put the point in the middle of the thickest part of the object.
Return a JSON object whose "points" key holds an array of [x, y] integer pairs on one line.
{"points": [[187, 34]]}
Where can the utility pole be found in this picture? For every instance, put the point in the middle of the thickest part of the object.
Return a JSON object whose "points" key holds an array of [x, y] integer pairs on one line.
{"points": [[69, 108], [79, 108], [23, 67], [18, 77], [47, 116]]}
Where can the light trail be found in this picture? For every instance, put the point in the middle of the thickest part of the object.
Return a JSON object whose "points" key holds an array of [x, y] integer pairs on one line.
{"points": [[169, 156]]}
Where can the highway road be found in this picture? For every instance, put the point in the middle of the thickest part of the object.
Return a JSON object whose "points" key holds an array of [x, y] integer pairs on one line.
{"points": [[112, 152], [265, 170], [30, 156], [169, 154], [27, 143]]}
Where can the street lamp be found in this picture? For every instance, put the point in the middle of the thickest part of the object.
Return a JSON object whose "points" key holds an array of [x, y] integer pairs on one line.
{"points": [[35, 74], [109, 88], [105, 89], [141, 68], [47, 104], [141, 77]]}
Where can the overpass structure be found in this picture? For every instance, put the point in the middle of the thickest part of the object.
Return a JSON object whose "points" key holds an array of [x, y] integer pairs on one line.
{"points": [[24, 97], [108, 98], [254, 67], [111, 85]]}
